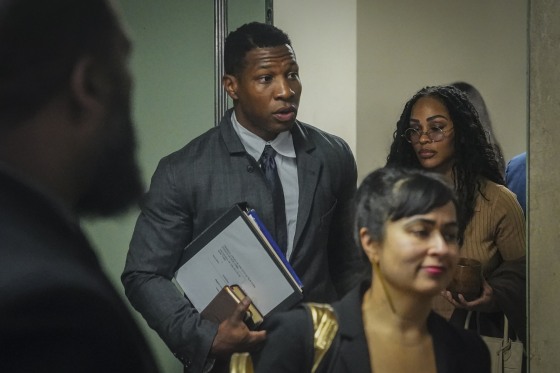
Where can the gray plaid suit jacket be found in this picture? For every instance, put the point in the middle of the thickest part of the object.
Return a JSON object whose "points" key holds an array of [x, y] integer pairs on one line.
{"points": [[195, 185]]}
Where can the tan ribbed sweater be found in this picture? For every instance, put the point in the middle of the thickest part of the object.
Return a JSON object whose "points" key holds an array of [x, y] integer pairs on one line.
{"points": [[496, 233]]}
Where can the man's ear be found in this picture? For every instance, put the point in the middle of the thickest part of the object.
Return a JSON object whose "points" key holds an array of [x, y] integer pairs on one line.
{"points": [[230, 85], [370, 246], [89, 85]]}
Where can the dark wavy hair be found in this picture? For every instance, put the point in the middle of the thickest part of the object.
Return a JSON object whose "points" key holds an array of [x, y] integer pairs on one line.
{"points": [[475, 157], [248, 37], [476, 99], [40, 43], [389, 194]]}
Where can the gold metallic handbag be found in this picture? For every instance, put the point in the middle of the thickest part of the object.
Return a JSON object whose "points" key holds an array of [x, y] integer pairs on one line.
{"points": [[325, 327]]}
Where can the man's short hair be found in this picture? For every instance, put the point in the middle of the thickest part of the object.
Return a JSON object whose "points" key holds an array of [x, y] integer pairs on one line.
{"points": [[40, 43], [247, 37]]}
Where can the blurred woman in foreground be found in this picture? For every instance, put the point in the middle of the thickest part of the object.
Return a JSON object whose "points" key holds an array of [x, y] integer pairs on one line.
{"points": [[406, 224]]}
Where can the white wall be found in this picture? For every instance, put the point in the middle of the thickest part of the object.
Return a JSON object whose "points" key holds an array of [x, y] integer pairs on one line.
{"points": [[362, 59], [323, 34], [408, 44]]}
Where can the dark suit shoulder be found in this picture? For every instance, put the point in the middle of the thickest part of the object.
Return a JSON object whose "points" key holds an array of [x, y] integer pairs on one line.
{"points": [[62, 325], [197, 147], [292, 321], [289, 343], [320, 137], [464, 350], [332, 151], [441, 327], [59, 311], [207, 146]]}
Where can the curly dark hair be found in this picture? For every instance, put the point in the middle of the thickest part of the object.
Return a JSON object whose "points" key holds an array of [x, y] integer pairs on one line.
{"points": [[248, 37], [475, 157], [478, 102]]}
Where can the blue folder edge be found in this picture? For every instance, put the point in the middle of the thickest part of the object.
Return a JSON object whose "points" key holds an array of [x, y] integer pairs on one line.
{"points": [[253, 214]]}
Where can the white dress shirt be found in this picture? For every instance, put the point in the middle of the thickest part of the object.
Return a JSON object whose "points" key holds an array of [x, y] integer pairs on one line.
{"points": [[287, 170]]}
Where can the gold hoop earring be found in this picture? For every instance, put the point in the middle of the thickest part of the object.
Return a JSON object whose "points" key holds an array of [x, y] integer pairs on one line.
{"points": [[384, 285]]}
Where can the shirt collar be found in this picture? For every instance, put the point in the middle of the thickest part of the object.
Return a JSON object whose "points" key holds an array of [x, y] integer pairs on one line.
{"points": [[254, 145]]}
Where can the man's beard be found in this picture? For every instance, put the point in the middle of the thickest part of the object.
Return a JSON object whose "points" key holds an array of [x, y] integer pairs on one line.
{"points": [[116, 183]]}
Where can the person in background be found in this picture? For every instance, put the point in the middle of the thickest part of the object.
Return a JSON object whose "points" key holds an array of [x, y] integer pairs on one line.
{"points": [[516, 178], [439, 130], [476, 99], [195, 185], [67, 149], [407, 225]]}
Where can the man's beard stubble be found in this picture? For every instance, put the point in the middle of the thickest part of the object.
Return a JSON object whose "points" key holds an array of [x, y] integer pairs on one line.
{"points": [[116, 183]]}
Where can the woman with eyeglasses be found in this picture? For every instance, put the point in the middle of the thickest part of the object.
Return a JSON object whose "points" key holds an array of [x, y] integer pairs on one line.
{"points": [[439, 130]]}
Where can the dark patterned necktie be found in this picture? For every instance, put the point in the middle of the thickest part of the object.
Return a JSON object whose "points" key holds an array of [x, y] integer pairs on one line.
{"points": [[268, 166]]}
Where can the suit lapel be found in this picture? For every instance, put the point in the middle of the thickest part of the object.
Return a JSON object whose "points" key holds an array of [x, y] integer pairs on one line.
{"points": [[229, 136], [448, 354], [354, 354], [308, 169], [355, 357]]}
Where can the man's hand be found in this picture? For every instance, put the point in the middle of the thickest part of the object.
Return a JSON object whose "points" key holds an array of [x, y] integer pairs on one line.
{"points": [[484, 303], [234, 336]]}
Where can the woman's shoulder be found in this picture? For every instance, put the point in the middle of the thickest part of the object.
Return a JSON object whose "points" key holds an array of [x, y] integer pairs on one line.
{"points": [[294, 319], [491, 189], [300, 321], [442, 329], [289, 343], [500, 196], [464, 347]]}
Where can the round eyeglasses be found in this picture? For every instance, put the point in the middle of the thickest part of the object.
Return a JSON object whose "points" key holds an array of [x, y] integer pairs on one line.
{"points": [[435, 134]]}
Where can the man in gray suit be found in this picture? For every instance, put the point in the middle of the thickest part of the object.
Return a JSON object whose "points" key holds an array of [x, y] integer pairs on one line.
{"points": [[195, 185]]}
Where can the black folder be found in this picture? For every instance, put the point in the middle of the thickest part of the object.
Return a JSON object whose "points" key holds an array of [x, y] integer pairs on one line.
{"points": [[238, 250]]}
